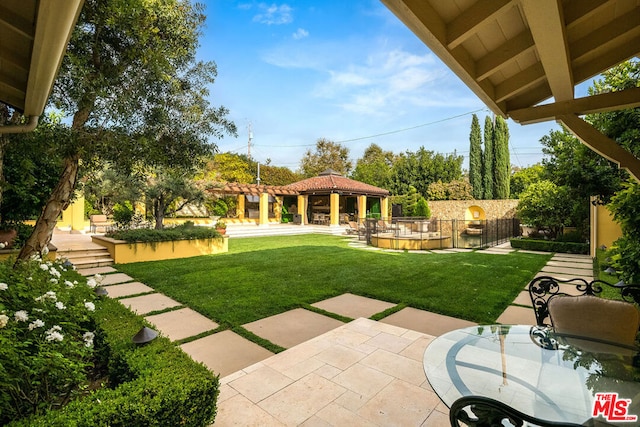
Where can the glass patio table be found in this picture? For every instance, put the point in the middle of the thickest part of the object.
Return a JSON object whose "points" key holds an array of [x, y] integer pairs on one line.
{"points": [[545, 375]]}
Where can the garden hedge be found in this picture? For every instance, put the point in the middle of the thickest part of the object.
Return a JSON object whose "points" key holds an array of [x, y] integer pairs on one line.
{"points": [[154, 384], [550, 246]]}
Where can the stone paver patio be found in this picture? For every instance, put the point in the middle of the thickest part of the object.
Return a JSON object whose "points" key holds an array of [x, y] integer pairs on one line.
{"points": [[147, 303], [126, 289]]}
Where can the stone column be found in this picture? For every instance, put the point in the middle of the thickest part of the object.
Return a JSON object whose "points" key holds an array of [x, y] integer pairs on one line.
{"points": [[264, 210], [302, 208], [240, 206], [334, 203], [384, 208]]}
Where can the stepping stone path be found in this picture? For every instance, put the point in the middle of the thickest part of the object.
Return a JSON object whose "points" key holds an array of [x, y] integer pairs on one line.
{"points": [[232, 356]]}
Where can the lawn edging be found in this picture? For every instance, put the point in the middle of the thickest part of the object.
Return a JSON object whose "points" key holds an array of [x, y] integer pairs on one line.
{"points": [[154, 384], [123, 252]]}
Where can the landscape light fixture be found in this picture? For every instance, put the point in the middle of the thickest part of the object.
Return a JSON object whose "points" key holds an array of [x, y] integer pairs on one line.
{"points": [[610, 270], [144, 335], [603, 247], [101, 292]]}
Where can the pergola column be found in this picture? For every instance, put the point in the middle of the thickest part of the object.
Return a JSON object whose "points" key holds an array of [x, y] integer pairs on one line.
{"points": [[240, 206], [264, 209], [384, 208], [362, 207], [334, 212], [302, 208]]}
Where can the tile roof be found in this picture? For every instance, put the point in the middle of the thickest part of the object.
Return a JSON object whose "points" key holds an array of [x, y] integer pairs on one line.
{"points": [[328, 181], [331, 181]]}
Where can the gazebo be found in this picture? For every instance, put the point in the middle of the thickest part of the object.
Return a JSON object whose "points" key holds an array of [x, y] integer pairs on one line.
{"points": [[327, 199]]}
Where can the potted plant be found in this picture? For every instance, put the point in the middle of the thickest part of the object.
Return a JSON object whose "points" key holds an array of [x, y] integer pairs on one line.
{"points": [[221, 227]]}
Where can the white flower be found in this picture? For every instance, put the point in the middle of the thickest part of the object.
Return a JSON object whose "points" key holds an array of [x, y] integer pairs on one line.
{"points": [[45, 250], [53, 280], [3, 286], [54, 334], [88, 338], [44, 267], [90, 306], [49, 295], [36, 324], [29, 278], [91, 282], [68, 284], [21, 316], [60, 305], [3, 320], [2, 245], [54, 272]]}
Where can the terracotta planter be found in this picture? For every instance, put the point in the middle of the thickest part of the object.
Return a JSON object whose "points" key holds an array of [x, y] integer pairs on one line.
{"points": [[221, 230]]}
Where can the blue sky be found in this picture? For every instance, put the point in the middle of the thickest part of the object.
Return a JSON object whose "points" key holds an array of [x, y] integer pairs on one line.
{"points": [[347, 71]]}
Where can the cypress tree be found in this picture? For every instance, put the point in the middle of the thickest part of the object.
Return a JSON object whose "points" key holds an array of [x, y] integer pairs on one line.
{"points": [[475, 159], [487, 161], [502, 165]]}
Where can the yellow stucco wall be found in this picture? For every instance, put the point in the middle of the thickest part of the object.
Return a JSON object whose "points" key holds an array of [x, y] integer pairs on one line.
{"points": [[604, 230], [122, 252]]}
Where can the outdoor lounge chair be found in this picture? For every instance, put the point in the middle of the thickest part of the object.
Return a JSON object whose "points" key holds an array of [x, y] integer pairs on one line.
{"points": [[353, 228]]}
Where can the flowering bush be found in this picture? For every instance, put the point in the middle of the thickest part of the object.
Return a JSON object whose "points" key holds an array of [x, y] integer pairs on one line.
{"points": [[46, 336]]}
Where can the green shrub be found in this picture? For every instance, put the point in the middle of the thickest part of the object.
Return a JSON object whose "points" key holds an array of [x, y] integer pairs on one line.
{"points": [[123, 214], [422, 208], [550, 246], [154, 384], [220, 208], [46, 336], [186, 231]]}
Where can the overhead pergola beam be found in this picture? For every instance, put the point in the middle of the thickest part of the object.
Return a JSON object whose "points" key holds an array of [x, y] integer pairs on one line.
{"points": [[546, 22], [601, 144], [471, 19], [600, 103], [509, 51], [424, 22]]}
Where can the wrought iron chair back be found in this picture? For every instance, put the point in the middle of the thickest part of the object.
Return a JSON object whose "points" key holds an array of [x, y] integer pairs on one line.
{"points": [[543, 288], [480, 411]]}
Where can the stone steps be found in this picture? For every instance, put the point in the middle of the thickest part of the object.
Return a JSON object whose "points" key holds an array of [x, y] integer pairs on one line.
{"points": [[87, 258]]}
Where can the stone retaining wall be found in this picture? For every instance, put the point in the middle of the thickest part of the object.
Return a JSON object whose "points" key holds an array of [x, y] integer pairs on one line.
{"points": [[456, 209]]}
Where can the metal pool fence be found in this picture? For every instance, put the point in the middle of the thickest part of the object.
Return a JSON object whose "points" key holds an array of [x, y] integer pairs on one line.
{"points": [[402, 233]]}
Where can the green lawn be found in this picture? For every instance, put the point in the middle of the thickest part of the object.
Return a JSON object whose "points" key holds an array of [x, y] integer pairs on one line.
{"points": [[263, 276]]}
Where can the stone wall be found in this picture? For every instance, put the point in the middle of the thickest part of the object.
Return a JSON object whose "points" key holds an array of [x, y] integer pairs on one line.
{"points": [[456, 209]]}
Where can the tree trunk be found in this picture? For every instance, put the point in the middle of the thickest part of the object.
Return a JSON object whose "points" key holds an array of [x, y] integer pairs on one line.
{"points": [[58, 201], [159, 213]]}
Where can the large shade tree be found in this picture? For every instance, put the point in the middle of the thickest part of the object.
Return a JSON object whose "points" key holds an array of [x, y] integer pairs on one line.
{"points": [[421, 168], [327, 155], [127, 63], [374, 167]]}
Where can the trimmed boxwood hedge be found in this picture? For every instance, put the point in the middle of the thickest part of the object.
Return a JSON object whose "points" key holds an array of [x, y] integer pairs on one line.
{"points": [[154, 384], [550, 246]]}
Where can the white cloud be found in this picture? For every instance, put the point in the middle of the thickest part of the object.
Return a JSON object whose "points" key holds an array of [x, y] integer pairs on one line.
{"points": [[274, 14], [300, 34]]}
